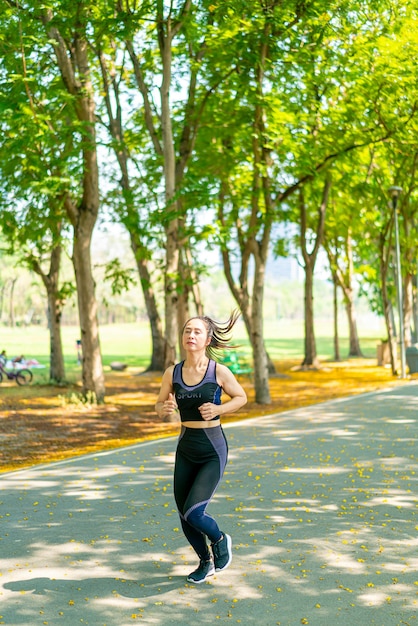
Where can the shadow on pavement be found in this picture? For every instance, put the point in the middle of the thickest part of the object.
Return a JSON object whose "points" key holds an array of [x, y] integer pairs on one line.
{"points": [[320, 503]]}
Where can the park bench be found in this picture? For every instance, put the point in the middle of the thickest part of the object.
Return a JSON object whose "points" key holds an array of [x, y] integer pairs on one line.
{"points": [[237, 363]]}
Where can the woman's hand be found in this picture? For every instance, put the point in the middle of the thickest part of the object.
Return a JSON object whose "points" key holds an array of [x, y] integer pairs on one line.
{"points": [[208, 410], [166, 404], [169, 406]]}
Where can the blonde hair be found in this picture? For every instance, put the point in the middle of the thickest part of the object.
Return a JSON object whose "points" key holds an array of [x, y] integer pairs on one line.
{"points": [[219, 333]]}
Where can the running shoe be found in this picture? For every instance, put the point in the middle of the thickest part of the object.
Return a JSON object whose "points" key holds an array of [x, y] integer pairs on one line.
{"points": [[222, 552], [203, 572]]}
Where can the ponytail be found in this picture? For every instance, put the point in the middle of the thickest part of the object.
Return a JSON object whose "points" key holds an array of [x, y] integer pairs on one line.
{"points": [[219, 333]]}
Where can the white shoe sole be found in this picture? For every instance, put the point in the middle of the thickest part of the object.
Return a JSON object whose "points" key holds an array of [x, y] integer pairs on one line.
{"points": [[198, 582]]}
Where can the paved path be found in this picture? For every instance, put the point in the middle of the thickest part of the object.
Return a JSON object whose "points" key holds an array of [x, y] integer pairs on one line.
{"points": [[321, 504]]}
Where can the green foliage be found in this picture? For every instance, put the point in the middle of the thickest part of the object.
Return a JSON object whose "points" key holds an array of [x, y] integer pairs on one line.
{"points": [[121, 279], [66, 291], [338, 96]]}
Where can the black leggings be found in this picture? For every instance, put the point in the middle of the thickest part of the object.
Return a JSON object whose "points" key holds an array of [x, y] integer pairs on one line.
{"points": [[200, 462]]}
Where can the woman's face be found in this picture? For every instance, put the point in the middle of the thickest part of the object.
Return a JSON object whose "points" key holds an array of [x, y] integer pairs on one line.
{"points": [[195, 335]]}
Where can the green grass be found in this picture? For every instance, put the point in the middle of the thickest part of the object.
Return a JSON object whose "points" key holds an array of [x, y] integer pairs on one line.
{"points": [[285, 339], [131, 343]]}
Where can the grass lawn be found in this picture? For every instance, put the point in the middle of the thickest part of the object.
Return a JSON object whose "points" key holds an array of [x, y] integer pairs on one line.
{"points": [[42, 423], [131, 343]]}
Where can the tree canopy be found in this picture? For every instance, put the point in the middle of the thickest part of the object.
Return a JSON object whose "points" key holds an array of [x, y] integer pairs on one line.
{"points": [[218, 122]]}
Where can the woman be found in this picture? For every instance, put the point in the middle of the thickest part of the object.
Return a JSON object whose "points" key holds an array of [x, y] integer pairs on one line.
{"points": [[194, 388]]}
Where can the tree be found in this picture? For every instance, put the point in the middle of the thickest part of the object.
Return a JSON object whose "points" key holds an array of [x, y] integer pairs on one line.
{"points": [[166, 29], [181, 50], [314, 239], [343, 228], [62, 28], [245, 112], [19, 230], [334, 111], [300, 99], [235, 156], [375, 242], [134, 208], [406, 173], [253, 233], [31, 174], [68, 36]]}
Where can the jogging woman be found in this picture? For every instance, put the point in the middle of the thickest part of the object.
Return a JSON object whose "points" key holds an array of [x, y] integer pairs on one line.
{"points": [[194, 388]]}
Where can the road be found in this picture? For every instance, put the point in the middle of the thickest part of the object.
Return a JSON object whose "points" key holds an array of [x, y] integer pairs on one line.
{"points": [[321, 504]]}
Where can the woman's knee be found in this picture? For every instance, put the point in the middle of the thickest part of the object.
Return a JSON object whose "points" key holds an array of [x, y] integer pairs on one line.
{"points": [[196, 516]]}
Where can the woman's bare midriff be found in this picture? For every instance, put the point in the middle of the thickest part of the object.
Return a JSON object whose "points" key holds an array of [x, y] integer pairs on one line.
{"points": [[205, 424]]}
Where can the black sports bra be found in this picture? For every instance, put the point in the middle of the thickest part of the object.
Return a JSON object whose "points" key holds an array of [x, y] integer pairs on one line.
{"points": [[190, 398]]}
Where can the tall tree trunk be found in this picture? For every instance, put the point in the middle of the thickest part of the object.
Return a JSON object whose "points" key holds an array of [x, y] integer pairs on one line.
{"points": [[257, 242], [415, 309], [56, 355], [261, 369], [92, 369], [73, 62], [336, 336], [194, 280], [2, 298], [139, 249], [165, 145], [344, 278], [12, 321], [311, 358], [409, 222], [183, 312], [389, 325], [171, 225], [189, 292], [387, 308], [254, 240], [170, 291], [157, 336], [55, 304], [252, 312], [354, 345], [408, 307], [354, 342]]}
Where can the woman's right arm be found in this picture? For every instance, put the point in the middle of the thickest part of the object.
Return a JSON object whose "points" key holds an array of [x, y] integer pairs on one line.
{"points": [[166, 403]]}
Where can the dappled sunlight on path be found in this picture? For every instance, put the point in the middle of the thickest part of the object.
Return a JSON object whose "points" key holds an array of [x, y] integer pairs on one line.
{"points": [[320, 502]]}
